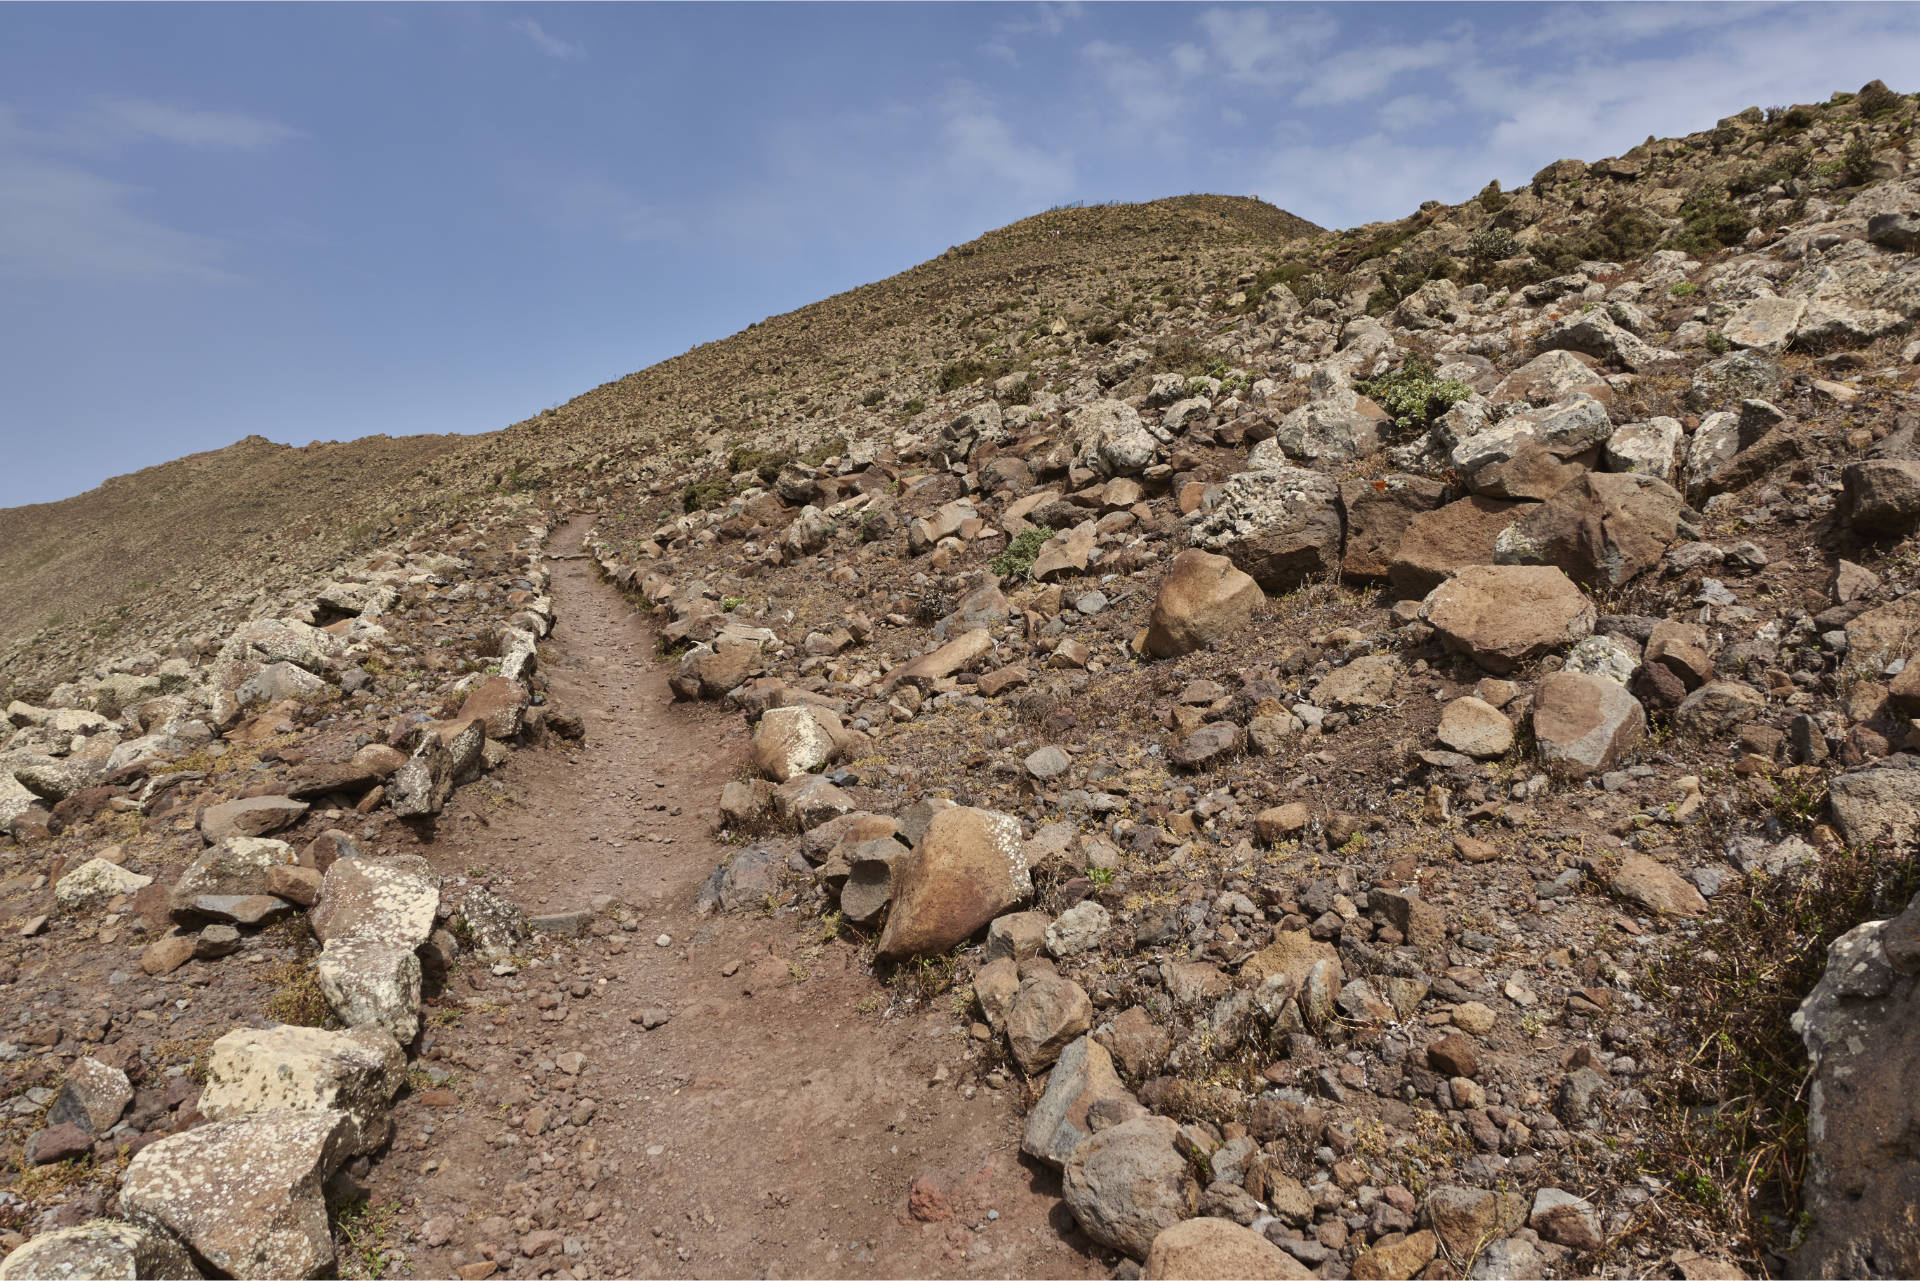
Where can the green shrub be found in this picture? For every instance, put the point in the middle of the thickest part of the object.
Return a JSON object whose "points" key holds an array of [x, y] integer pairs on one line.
{"points": [[1856, 162], [1491, 198], [1620, 235], [1710, 222], [1685, 289], [914, 406], [705, 493], [1491, 244], [1413, 395], [832, 447], [758, 461], [872, 398], [1017, 560]]}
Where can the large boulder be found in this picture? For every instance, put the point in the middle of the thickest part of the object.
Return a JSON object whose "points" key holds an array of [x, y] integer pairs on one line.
{"points": [[244, 1195], [1281, 526], [1553, 376], [1198, 1249], [1109, 438], [1571, 428], [389, 900], [1882, 496], [250, 816], [1336, 425], [368, 981], [100, 1249], [1378, 511], [1878, 807], [1046, 1012], [1595, 334], [1438, 543], [306, 1069], [1127, 1184], [238, 865], [1764, 324], [791, 741], [1202, 599], [1082, 1077], [1647, 448], [968, 868], [1605, 527], [1585, 724], [1858, 1028], [1503, 615]]}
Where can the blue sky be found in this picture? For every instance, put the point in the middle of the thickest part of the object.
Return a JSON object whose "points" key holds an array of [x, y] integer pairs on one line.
{"points": [[322, 222]]}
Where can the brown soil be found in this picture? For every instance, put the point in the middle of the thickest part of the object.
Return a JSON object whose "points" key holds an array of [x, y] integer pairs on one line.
{"points": [[774, 1126]]}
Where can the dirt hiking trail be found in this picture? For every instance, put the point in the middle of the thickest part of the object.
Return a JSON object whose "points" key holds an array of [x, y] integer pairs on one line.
{"points": [[774, 1125]]}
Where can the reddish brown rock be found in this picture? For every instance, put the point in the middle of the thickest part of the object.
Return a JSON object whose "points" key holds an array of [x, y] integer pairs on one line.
{"points": [[1202, 599], [966, 870], [1443, 541]]}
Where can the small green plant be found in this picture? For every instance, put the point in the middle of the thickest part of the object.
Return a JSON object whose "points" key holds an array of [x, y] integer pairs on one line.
{"points": [[1413, 395], [1017, 560], [731, 603], [1716, 342], [1100, 876], [1685, 289], [366, 1227], [914, 406]]}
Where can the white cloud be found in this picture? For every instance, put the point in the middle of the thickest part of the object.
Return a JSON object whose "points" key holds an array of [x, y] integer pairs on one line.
{"points": [[1411, 111], [1041, 20], [164, 122], [1142, 90], [1251, 46], [1370, 70], [58, 221], [551, 45], [61, 218]]}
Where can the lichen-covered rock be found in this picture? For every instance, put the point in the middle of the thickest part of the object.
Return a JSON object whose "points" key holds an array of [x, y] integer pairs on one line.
{"points": [[250, 816], [92, 1096], [244, 1195], [367, 981], [389, 900], [95, 881], [238, 865], [97, 1251], [791, 741], [1281, 526], [306, 1069], [421, 786]]}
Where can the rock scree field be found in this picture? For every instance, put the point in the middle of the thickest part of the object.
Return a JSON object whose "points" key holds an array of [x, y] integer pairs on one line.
{"points": [[1167, 741]]}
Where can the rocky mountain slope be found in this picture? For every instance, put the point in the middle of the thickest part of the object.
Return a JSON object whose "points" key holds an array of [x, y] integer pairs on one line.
{"points": [[1398, 747]]}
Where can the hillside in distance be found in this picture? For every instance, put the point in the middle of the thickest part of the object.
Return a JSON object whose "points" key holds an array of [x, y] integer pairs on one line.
{"points": [[207, 538]]}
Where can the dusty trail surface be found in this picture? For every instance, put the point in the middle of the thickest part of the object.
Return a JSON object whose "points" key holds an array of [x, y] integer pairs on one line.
{"points": [[774, 1125]]}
